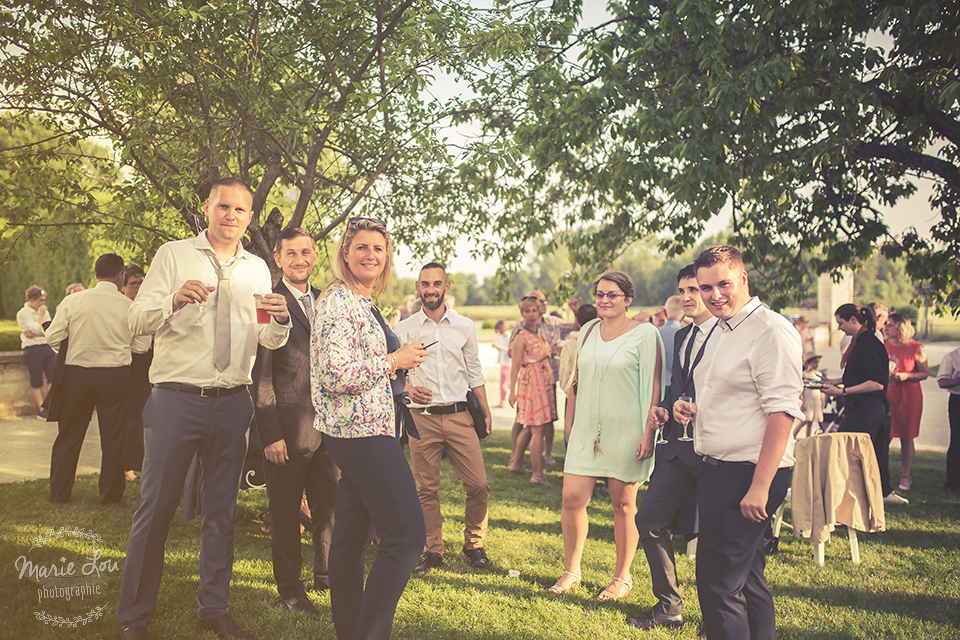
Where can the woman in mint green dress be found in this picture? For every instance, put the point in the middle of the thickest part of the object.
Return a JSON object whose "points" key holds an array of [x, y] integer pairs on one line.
{"points": [[620, 375]]}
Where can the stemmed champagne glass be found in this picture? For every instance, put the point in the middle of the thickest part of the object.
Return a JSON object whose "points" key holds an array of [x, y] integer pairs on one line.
{"points": [[201, 307], [414, 338], [686, 423], [662, 423]]}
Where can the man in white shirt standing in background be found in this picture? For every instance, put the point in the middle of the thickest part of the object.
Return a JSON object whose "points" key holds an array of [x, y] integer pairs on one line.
{"points": [[198, 298], [96, 374], [748, 394], [38, 354], [438, 392]]}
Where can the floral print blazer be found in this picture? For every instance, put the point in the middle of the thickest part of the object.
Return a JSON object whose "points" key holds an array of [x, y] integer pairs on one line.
{"points": [[349, 370]]}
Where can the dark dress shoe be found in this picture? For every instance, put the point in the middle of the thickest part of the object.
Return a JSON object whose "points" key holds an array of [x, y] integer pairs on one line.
{"points": [[299, 604], [225, 627], [655, 619], [428, 561], [133, 633], [478, 557]]}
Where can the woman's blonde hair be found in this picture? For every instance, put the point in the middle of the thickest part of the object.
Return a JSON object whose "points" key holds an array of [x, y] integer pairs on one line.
{"points": [[529, 301], [340, 268], [904, 325]]}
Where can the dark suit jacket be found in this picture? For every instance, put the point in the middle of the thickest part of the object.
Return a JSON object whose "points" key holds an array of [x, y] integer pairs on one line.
{"points": [[678, 386], [281, 386]]}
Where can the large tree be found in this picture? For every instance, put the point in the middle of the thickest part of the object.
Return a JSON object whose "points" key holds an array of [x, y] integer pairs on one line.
{"points": [[675, 111], [321, 106]]}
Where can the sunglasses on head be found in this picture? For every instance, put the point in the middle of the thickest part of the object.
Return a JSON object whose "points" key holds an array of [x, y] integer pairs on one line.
{"points": [[357, 219]]}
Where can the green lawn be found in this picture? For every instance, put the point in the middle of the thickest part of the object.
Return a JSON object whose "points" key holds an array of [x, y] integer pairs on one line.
{"points": [[908, 585]]}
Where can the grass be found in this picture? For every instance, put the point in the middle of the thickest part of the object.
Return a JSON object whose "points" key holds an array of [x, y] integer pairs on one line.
{"points": [[907, 585]]}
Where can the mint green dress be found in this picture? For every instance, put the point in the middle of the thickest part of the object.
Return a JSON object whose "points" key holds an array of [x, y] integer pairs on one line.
{"points": [[615, 384]]}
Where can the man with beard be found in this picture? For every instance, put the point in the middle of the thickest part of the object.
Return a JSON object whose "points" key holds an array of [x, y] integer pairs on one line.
{"points": [[439, 395], [295, 456]]}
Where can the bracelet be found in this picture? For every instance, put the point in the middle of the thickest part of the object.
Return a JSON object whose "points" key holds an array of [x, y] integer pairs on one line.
{"points": [[392, 359]]}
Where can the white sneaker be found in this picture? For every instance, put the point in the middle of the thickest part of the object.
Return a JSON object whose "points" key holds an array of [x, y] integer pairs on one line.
{"points": [[892, 498]]}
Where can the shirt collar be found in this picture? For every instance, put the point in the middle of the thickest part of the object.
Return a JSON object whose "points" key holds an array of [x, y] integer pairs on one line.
{"points": [[203, 244], [423, 318], [296, 292], [109, 286], [752, 305]]}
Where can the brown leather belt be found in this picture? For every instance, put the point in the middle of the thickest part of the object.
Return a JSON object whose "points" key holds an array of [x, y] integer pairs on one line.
{"points": [[203, 392]]}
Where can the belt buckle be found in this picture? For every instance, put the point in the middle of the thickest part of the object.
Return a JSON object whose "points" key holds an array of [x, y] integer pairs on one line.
{"points": [[208, 392]]}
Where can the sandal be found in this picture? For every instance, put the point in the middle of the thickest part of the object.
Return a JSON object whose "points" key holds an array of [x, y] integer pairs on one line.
{"points": [[559, 588], [905, 482], [540, 480], [550, 460], [520, 471], [606, 594]]}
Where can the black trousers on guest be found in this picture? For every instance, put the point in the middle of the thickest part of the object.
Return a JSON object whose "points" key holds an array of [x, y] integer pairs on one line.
{"points": [[734, 597], [82, 390], [871, 415], [953, 452], [376, 486], [315, 472], [673, 481]]}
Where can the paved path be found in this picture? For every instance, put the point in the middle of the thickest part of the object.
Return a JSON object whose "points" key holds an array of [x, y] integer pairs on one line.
{"points": [[26, 442]]}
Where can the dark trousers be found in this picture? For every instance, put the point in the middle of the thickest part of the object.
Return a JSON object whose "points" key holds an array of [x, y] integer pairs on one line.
{"points": [[376, 487], [176, 426], [315, 473], [953, 452], [734, 597], [40, 360], [82, 389], [671, 485], [871, 415]]}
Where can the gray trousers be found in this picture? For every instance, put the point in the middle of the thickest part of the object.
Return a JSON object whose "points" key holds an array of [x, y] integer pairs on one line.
{"points": [[177, 425]]}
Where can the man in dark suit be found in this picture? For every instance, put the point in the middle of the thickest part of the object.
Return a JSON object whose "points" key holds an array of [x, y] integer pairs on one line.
{"points": [[674, 478], [295, 458]]}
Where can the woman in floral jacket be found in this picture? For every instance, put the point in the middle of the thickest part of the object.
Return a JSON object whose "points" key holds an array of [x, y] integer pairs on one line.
{"points": [[354, 359]]}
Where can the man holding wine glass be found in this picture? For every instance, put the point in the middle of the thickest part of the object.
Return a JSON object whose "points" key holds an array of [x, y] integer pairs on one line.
{"points": [[748, 388], [674, 478], [438, 391]]}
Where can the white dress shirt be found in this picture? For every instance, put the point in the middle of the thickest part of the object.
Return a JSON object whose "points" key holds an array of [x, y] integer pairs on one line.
{"points": [[29, 320], [751, 369], [950, 368], [452, 366], [701, 333], [183, 352], [96, 323]]}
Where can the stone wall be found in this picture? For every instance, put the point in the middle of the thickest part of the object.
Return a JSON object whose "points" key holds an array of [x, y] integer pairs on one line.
{"points": [[15, 397]]}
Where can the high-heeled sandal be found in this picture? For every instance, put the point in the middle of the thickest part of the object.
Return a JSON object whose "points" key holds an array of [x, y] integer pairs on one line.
{"points": [[606, 594], [905, 482], [558, 588], [540, 480]]}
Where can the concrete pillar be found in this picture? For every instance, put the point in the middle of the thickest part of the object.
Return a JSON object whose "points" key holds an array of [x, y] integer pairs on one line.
{"points": [[831, 295]]}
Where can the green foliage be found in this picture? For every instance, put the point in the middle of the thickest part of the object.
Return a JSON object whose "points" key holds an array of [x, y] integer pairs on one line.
{"points": [[10, 338], [785, 116]]}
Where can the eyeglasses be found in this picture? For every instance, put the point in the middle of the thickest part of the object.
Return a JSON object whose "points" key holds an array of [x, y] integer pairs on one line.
{"points": [[357, 219], [609, 295]]}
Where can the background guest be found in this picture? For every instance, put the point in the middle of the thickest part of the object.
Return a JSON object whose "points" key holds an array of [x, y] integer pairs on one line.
{"points": [[909, 366], [619, 378], [38, 354], [502, 345], [806, 335], [568, 352], [949, 378], [139, 388], [673, 312], [531, 390]]}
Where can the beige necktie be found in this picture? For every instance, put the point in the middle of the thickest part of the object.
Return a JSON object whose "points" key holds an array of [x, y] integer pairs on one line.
{"points": [[221, 336], [307, 303]]}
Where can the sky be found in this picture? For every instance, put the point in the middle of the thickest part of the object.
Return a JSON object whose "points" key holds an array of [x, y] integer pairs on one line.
{"points": [[912, 212]]}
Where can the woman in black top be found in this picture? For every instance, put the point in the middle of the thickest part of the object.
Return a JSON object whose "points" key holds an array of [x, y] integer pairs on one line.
{"points": [[865, 374]]}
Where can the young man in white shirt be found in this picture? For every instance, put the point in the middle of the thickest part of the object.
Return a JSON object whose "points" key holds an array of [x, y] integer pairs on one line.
{"points": [[438, 393], [748, 394], [38, 354], [949, 378]]}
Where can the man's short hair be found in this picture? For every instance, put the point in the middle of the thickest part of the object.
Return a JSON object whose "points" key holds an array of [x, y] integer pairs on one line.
{"points": [[290, 233], [73, 287], [719, 254], [132, 271], [586, 313], [688, 271], [34, 292], [879, 308], [434, 265], [109, 265], [231, 182], [674, 308]]}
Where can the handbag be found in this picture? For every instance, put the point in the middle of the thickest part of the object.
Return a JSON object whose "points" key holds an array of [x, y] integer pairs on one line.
{"points": [[476, 412]]}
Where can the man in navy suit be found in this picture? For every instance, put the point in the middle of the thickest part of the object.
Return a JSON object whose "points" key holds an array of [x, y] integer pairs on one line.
{"points": [[295, 458], [675, 470]]}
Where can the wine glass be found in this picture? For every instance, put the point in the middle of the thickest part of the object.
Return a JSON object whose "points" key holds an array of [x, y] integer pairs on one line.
{"points": [[661, 422], [686, 423], [414, 338], [202, 306]]}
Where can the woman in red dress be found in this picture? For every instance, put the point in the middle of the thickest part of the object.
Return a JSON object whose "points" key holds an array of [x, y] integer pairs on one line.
{"points": [[908, 366]]}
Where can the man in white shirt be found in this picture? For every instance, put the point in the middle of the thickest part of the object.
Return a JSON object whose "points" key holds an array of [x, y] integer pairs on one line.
{"points": [[748, 394], [198, 299], [38, 354], [671, 496], [438, 391], [96, 374], [948, 377]]}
